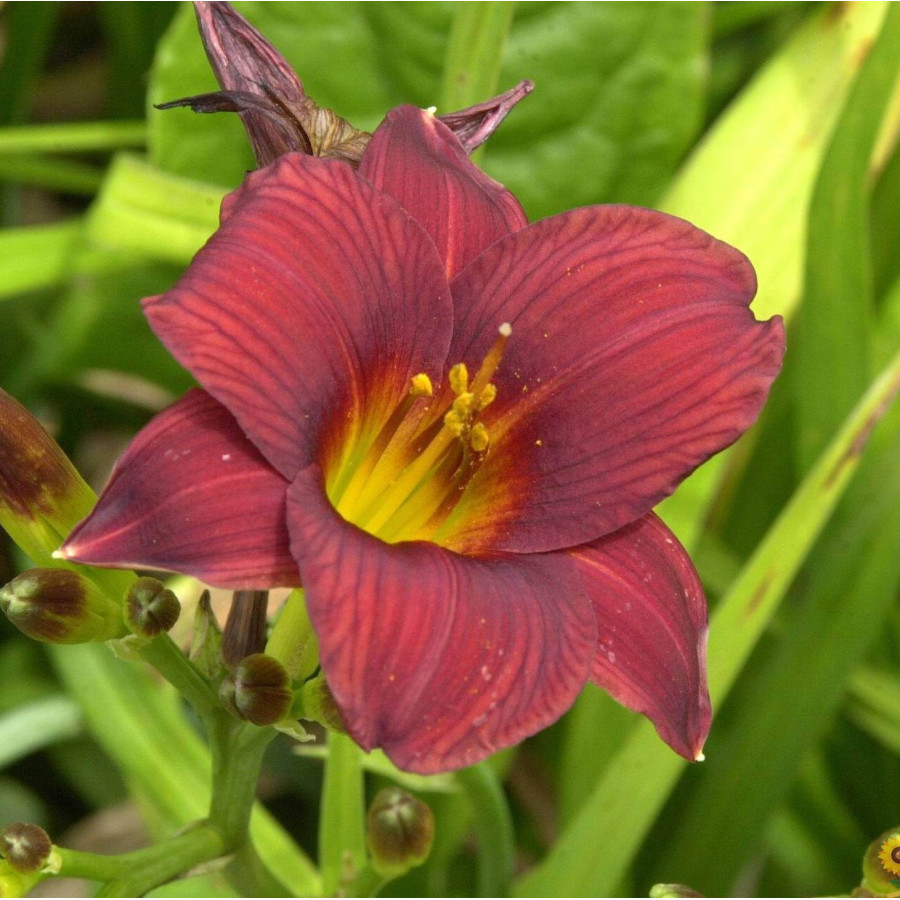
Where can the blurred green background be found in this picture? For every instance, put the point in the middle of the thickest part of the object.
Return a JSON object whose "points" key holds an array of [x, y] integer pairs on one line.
{"points": [[772, 125]]}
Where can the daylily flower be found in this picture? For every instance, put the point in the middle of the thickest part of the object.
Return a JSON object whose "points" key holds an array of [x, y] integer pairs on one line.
{"points": [[451, 427]]}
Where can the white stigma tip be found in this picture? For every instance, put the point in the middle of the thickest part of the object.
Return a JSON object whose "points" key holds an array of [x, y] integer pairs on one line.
{"points": [[505, 329]]}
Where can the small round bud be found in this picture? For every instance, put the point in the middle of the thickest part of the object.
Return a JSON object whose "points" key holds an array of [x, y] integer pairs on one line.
{"points": [[257, 690], [320, 706], [673, 890], [26, 848], [151, 608], [61, 607], [400, 831], [881, 864]]}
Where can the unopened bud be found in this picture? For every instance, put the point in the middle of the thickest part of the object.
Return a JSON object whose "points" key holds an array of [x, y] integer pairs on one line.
{"points": [[881, 864], [26, 848], [151, 608], [673, 890], [61, 606], [400, 831], [320, 706], [257, 690], [42, 496]]}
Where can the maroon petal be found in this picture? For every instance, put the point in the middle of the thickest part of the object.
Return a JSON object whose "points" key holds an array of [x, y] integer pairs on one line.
{"points": [[633, 358], [651, 629], [309, 310], [438, 658], [417, 159], [193, 495]]}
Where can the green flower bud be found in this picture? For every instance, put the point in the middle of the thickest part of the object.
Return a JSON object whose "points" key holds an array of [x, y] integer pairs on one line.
{"points": [[257, 690], [881, 864], [26, 848], [400, 832], [61, 606], [151, 608], [42, 496], [673, 890], [320, 706]]}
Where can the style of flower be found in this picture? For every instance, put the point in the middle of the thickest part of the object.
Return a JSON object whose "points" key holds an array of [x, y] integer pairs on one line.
{"points": [[451, 427]]}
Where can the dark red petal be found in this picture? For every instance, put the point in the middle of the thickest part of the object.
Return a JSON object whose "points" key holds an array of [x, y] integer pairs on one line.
{"points": [[309, 310], [438, 658], [417, 159], [192, 494], [633, 358], [651, 629]]}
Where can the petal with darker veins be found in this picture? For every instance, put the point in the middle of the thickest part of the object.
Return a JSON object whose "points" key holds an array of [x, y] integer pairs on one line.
{"points": [[192, 495]]}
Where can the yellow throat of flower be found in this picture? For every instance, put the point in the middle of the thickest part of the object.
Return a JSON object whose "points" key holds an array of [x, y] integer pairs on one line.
{"points": [[404, 483]]}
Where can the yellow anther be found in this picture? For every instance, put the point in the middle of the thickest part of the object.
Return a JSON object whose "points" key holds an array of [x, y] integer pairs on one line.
{"points": [[465, 404], [487, 396], [456, 423], [479, 438], [459, 378], [420, 386]]}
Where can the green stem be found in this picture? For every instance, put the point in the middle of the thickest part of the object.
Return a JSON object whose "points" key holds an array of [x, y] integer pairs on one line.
{"points": [[493, 824], [237, 753], [133, 874], [367, 884], [72, 137], [167, 658], [293, 642], [474, 53], [342, 819]]}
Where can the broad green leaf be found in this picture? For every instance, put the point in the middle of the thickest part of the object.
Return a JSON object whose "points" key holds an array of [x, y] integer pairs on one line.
{"points": [[622, 807], [151, 213], [832, 340], [618, 99], [37, 725], [750, 180]]}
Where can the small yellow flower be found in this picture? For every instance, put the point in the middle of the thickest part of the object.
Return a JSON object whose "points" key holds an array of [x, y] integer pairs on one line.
{"points": [[889, 856]]}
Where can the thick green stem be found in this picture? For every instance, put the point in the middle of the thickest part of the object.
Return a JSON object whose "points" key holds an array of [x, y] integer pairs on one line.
{"points": [[474, 53], [237, 753], [293, 642], [342, 848], [367, 884], [493, 823], [167, 658]]}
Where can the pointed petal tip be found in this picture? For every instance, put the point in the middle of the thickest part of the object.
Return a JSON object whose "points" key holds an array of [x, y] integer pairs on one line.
{"points": [[700, 756]]}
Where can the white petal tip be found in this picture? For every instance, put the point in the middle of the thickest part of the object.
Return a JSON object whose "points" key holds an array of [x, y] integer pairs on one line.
{"points": [[700, 757], [58, 554]]}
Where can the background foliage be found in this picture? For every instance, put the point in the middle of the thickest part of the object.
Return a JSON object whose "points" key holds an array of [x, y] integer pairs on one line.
{"points": [[772, 125]]}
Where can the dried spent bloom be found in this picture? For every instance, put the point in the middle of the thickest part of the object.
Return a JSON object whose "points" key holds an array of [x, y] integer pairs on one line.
{"points": [[452, 427], [258, 83]]}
